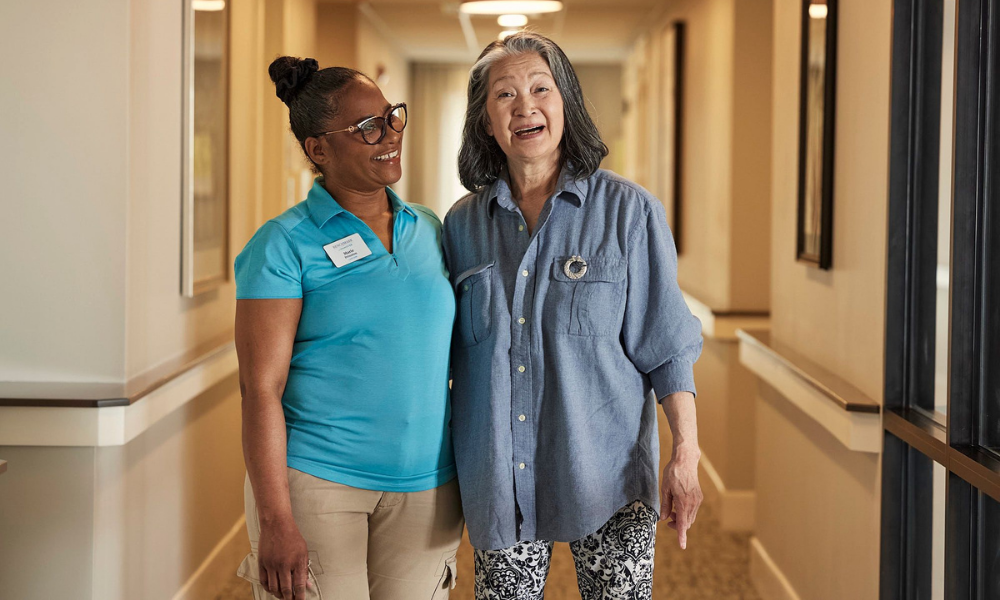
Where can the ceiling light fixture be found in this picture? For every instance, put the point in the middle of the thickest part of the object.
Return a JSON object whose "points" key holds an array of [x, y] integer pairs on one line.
{"points": [[506, 34], [818, 11], [208, 5], [505, 7], [512, 20]]}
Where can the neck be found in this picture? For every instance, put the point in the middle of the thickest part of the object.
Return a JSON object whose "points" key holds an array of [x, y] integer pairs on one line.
{"points": [[363, 204], [535, 180]]}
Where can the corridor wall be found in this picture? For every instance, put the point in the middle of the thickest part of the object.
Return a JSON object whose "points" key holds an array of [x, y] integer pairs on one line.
{"points": [[91, 263], [817, 518]]}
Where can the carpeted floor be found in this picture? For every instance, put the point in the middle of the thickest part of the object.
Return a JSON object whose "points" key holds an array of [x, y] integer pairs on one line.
{"points": [[714, 567]]}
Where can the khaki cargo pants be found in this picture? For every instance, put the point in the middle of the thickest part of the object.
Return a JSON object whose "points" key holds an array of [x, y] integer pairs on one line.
{"points": [[368, 545]]}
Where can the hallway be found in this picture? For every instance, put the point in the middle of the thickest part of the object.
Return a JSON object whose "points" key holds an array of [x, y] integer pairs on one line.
{"points": [[827, 171]]}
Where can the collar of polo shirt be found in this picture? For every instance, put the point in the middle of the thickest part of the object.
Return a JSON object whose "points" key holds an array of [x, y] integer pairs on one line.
{"points": [[322, 206]]}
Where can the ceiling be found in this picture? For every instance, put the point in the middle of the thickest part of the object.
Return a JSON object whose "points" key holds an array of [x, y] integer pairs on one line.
{"points": [[591, 31]]}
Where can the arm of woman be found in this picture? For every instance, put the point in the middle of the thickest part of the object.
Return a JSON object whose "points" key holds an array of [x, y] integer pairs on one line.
{"points": [[663, 339], [265, 333]]}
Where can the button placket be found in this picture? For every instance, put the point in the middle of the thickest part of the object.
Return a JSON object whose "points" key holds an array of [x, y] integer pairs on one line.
{"points": [[521, 381], [521, 387]]}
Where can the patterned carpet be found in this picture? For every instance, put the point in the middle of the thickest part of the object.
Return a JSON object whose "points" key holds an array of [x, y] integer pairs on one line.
{"points": [[714, 567]]}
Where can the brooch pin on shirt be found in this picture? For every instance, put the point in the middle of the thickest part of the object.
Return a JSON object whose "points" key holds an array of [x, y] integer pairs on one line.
{"points": [[575, 267]]}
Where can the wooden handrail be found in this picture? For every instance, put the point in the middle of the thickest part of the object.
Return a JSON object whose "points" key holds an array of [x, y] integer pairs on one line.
{"points": [[840, 392], [100, 395]]}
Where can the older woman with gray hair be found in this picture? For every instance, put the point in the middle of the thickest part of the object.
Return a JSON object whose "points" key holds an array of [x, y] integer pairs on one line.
{"points": [[570, 329]]}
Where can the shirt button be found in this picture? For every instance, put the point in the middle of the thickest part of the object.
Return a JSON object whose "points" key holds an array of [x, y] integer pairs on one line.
{"points": [[520, 369], [521, 466], [521, 418], [465, 288], [520, 227], [521, 321], [524, 272]]}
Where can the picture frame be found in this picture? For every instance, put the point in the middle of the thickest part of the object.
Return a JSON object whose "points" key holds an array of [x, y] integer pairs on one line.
{"points": [[205, 147], [671, 138], [817, 112]]}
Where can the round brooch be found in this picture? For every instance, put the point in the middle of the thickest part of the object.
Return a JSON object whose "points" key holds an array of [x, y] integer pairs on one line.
{"points": [[575, 267]]}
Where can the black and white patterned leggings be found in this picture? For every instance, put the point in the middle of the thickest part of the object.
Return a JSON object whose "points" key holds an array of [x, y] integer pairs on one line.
{"points": [[615, 563]]}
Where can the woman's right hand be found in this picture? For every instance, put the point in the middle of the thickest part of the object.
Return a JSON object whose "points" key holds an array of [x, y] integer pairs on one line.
{"points": [[284, 560]]}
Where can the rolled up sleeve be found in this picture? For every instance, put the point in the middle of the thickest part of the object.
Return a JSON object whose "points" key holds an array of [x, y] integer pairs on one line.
{"points": [[661, 336]]}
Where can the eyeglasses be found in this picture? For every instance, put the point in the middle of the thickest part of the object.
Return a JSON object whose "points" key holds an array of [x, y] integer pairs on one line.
{"points": [[373, 128]]}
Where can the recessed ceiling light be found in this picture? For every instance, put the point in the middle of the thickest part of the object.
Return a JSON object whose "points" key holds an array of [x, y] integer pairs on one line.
{"points": [[507, 33], [512, 20], [818, 11], [505, 7], [208, 5]]}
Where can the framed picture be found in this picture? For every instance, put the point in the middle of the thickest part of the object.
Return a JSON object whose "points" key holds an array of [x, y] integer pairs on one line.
{"points": [[816, 132], [205, 161], [671, 138]]}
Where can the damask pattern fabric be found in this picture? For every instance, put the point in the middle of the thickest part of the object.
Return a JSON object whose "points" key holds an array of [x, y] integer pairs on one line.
{"points": [[614, 563]]}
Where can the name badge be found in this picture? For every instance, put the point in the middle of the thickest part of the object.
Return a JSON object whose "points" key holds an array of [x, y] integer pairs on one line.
{"points": [[347, 250]]}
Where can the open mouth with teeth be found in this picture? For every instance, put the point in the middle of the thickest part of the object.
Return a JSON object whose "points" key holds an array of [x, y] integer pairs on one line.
{"points": [[529, 131], [387, 156]]}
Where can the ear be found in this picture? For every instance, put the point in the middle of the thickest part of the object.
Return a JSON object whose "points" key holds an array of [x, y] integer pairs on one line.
{"points": [[317, 151]]}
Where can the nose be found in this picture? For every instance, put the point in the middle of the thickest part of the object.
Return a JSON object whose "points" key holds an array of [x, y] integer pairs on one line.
{"points": [[392, 136], [525, 105]]}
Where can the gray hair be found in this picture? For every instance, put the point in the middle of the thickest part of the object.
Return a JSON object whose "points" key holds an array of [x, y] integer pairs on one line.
{"points": [[480, 160]]}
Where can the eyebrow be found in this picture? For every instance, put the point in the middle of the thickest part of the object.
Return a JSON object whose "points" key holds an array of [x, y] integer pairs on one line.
{"points": [[532, 74], [384, 110]]}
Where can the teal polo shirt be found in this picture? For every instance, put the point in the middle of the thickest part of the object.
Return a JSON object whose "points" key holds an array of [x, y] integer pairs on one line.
{"points": [[367, 402]]}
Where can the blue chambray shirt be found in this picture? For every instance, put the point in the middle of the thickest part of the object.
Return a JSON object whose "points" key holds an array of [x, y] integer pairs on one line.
{"points": [[553, 415]]}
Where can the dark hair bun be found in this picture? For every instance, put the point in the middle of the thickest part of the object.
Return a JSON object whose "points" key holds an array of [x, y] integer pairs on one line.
{"points": [[289, 74]]}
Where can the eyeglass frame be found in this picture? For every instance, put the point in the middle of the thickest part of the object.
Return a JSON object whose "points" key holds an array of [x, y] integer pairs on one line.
{"points": [[385, 125]]}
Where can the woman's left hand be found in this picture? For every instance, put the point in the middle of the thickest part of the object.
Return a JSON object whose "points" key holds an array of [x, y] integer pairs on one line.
{"points": [[680, 492]]}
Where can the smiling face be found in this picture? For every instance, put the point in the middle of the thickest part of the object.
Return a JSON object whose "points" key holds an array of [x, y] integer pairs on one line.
{"points": [[345, 157], [525, 109]]}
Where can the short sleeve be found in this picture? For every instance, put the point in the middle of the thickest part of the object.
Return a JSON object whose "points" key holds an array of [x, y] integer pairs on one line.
{"points": [[268, 266]]}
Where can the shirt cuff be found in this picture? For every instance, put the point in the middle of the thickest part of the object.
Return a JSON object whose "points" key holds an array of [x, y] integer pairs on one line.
{"points": [[672, 377]]}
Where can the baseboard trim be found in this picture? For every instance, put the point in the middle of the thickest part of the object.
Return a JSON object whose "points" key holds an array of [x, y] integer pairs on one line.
{"points": [[767, 578], [736, 508], [220, 565]]}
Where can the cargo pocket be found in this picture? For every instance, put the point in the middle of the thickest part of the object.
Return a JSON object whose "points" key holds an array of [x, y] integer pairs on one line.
{"points": [[250, 571], [448, 579]]}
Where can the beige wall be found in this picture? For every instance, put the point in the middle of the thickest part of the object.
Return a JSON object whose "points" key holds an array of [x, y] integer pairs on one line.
{"points": [[167, 498], [47, 495], [336, 35], [726, 401], [726, 181], [95, 146], [817, 502], [64, 156], [602, 88], [836, 317], [750, 266], [160, 322]]}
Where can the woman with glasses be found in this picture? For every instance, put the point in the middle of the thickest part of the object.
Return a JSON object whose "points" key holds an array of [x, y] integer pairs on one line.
{"points": [[571, 331], [344, 318]]}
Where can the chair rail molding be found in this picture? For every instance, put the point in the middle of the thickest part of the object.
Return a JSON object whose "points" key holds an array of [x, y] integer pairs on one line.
{"points": [[723, 325], [41, 419], [844, 411]]}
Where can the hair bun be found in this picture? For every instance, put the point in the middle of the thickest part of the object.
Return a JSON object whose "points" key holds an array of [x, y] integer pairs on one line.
{"points": [[289, 74]]}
